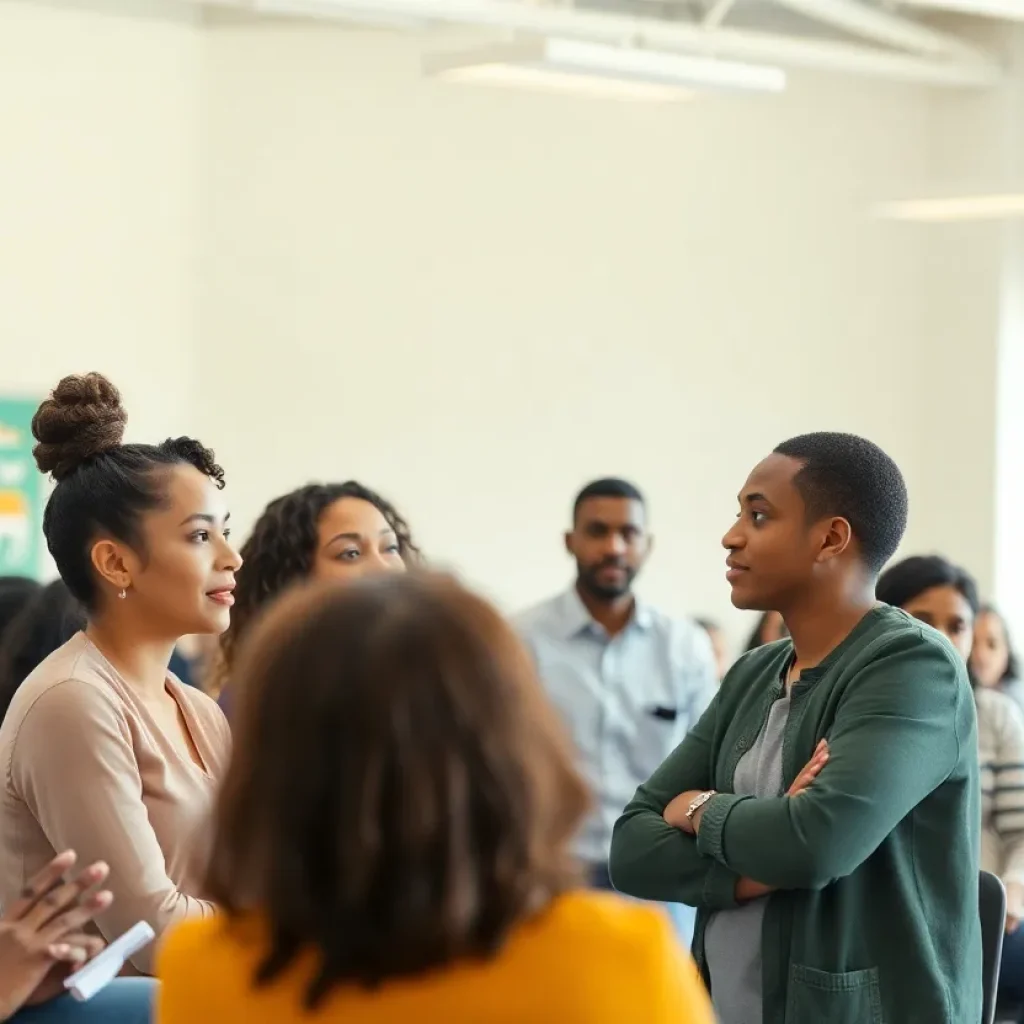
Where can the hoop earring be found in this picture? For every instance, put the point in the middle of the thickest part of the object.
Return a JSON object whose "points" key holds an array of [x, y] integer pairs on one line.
{"points": [[123, 594]]}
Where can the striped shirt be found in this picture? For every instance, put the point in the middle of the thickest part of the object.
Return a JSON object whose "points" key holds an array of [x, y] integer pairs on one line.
{"points": [[1001, 753]]}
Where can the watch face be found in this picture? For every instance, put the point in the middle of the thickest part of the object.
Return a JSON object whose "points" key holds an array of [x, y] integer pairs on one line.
{"points": [[698, 803]]}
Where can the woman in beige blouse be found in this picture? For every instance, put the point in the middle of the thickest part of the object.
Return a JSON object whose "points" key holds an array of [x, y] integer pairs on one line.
{"points": [[102, 750]]}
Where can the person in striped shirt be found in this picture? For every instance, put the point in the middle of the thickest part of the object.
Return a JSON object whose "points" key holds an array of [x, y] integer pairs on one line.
{"points": [[945, 596]]}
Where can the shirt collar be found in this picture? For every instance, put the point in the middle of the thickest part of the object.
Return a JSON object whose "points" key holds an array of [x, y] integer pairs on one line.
{"points": [[576, 619]]}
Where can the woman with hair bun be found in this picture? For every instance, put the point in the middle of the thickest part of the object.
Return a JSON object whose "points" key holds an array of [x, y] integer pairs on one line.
{"points": [[102, 750]]}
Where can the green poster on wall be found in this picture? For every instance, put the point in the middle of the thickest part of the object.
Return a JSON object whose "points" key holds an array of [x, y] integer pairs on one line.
{"points": [[21, 491]]}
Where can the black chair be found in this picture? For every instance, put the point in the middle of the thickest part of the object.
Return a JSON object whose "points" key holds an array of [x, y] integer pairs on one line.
{"points": [[992, 907]]}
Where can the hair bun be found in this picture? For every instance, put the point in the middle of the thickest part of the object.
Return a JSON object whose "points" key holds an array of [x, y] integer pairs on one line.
{"points": [[83, 417]]}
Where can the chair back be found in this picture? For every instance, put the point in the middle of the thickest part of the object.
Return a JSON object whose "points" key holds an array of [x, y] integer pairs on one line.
{"points": [[992, 907]]}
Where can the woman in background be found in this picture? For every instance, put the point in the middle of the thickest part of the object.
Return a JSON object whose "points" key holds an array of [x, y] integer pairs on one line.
{"points": [[101, 751], [49, 619], [945, 597], [719, 645], [769, 628], [15, 593], [393, 838], [319, 532], [993, 659]]}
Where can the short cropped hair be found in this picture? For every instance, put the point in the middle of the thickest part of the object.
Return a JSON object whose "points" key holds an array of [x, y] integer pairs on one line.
{"points": [[607, 487], [845, 475], [401, 794]]}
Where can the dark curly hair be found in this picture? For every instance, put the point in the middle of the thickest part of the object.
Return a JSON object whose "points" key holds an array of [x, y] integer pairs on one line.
{"points": [[103, 486], [281, 550]]}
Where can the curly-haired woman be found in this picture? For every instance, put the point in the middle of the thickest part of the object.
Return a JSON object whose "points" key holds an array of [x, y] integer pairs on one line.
{"points": [[319, 532], [102, 750]]}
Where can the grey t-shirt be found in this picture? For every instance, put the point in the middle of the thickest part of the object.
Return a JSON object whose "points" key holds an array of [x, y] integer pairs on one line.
{"points": [[732, 938]]}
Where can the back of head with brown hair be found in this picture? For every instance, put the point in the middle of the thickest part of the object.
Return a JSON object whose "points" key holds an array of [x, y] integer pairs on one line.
{"points": [[401, 793]]}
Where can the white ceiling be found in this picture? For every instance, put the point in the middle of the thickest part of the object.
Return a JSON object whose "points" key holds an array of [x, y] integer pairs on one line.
{"points": [[952, 43]]}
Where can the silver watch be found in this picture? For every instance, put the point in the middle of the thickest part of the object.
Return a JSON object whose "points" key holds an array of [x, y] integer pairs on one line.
{"points": [[698, 802]]}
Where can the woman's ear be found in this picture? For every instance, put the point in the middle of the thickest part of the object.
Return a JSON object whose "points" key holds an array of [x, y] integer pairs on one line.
{"points": [[108, 559]]}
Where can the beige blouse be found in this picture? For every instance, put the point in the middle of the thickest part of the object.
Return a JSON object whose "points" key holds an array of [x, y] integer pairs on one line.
{"points": [[87, 768]]}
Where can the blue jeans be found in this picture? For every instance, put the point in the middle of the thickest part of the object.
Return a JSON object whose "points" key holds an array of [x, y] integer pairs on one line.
{"points": [[123, 1001], [683, 917]]}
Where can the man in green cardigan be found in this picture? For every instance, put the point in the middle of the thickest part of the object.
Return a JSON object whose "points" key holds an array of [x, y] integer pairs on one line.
{"points": [[823, 815]]}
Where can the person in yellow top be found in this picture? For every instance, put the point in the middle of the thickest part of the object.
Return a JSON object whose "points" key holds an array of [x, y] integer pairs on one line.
{"points": [[392, 841]]}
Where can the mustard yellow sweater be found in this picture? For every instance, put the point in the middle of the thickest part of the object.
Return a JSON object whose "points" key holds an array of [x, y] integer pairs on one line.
{"points": [[591, 958]]}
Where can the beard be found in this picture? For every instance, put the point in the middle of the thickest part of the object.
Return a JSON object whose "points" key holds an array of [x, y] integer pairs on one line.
{"points": [[589, 578]]}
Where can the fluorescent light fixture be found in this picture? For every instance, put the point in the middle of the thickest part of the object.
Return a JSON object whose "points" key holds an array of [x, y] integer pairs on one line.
{"points": [[359, 12], [994, 206], [595, 70], [540, 79]]}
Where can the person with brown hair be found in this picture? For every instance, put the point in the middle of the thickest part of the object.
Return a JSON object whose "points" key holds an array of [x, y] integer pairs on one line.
{"points": [[102, 750], [392, 841], [337, 531]]}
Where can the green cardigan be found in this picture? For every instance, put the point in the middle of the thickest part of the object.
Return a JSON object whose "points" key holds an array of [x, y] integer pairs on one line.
{"points": [[876, 917]]}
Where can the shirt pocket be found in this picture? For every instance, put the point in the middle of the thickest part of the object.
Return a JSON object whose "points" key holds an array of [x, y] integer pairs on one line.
{"points": [[657, 735], [814, 997]]}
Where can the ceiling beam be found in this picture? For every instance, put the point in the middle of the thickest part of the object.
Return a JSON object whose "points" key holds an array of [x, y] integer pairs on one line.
{"points": [[1012, 10], [717, 13], [627, 30], [882, 27]]}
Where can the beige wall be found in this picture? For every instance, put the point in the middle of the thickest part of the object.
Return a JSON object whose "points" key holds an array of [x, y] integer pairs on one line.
{"points": [[971, 376], [281, 238], [98, 200], [476, 300]]}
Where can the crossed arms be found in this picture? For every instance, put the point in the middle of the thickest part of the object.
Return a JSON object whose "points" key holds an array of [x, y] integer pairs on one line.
{"points": [[895, 738]]}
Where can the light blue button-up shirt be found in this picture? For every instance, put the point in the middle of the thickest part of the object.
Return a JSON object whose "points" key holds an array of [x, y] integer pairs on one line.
{"points": [[628, 700]]}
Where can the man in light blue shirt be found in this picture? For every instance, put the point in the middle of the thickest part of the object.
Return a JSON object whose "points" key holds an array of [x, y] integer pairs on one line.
{"points": [[628, 680]]}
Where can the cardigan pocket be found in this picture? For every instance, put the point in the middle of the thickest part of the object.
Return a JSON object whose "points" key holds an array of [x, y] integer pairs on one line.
{"points": [[815, 997]]}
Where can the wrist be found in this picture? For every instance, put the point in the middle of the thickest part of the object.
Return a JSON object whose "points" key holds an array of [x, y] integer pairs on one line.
{"points": [[747, 889], [697, 816], [675, 811], [695, 811], [686, 810]]}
